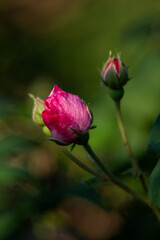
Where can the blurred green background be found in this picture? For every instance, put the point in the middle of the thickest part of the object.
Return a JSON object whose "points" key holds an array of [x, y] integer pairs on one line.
{"points": [[42, 43]]}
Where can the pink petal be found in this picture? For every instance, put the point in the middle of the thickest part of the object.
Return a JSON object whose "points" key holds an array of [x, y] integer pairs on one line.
{"points": [[116, 66], [64, 110]]}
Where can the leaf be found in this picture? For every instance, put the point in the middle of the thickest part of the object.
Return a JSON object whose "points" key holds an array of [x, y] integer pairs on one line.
{"points": [[131, 171], [14, 143], [86, 192], [9, 176], [92, 181], [154, 139], [9, 221], [154, 186], [52, 198]]}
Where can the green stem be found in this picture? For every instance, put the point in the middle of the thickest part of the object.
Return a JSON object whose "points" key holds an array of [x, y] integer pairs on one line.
{"points": [[128, 146], [110, 176], [82, 165]]}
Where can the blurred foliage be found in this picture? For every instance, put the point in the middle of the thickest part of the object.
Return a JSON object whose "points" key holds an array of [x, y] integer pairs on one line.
{"points": [[154, 193], [153, 149], [43, 196], [154, 141]]}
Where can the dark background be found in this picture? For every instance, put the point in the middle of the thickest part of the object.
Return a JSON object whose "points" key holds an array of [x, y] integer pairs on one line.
{"points": [[42, 194]]}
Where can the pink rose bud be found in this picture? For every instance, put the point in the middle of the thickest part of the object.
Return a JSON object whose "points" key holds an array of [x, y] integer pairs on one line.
{"points": [[67, 116], [114, 73]]}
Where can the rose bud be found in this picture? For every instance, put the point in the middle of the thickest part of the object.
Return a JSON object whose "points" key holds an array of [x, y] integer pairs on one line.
{"points": [[38, 108], [114, 73], [67, 117]]}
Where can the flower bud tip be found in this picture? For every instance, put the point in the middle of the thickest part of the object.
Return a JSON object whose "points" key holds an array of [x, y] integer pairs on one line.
{"points": [[38, 108], [114, 73]]}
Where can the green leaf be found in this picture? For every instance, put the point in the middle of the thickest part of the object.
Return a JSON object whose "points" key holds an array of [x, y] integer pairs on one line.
{"points": [[51, 198], [9, 176], [154, 186], [15, 143], [9, 221], [92, 181], [86, 192], [131, 171], [154, 140]]}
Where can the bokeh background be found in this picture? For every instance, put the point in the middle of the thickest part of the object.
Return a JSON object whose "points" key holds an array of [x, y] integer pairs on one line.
{"points": [[43, 195]]}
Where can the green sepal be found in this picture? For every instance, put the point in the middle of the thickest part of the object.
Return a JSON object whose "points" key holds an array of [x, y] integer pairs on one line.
{"points": [[112, 79], [47, 131], [74, 130], [93, 127], [72, 147], [82, 138], [56, 141], [123, 79]]}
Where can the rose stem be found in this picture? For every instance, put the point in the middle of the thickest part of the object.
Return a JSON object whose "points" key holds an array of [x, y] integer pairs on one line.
{"points": [[110, 176], [128, 146], [82, 165]]}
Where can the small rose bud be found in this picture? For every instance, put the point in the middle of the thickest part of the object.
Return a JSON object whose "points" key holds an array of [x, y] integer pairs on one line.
{"points": [[67, 116], [114, 73], [38, 108]]}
